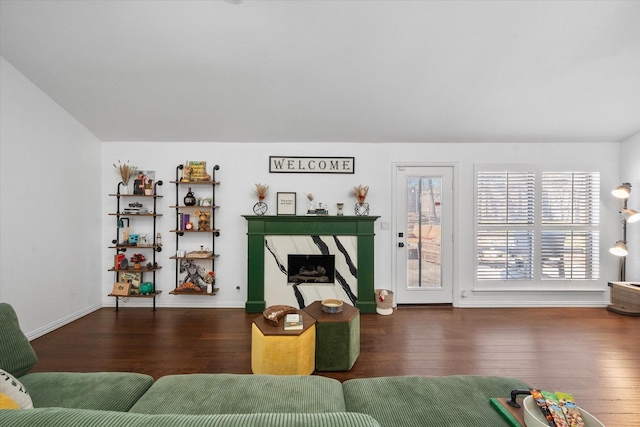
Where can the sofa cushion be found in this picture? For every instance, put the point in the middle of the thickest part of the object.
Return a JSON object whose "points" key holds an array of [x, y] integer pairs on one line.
{"points": [[16, 354], [15, 390], [241, 394], [403, 401], [109, 391], [60, 417]]}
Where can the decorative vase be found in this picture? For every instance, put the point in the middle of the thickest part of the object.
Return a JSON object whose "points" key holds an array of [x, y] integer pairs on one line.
{"points": [[209, 288], [189, 199], [362, 209], [260, 208], [136, 266], [340, 209], [148, 191], [124, 189]]}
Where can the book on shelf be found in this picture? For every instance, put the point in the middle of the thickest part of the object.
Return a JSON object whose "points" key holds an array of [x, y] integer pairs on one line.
{"points": [[293, 322]]}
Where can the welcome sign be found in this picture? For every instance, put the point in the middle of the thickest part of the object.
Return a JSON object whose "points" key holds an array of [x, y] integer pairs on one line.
{"points": [[281, 164]]}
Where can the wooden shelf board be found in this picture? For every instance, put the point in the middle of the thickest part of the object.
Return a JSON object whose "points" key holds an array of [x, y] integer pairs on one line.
{"points": [[151, 295], [136, 270], [195, 231], [198, 294], [135, 195]]}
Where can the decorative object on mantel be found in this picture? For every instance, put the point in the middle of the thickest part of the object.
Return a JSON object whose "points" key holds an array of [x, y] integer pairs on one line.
{"points": [[321, 210], [312, 208], [340, 211], [261, 207], [126, 171], [286, 203], [361, 208]]}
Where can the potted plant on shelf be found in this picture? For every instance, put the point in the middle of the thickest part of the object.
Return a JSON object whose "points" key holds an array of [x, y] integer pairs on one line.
{"points": [[148, 188], [126, 171]]}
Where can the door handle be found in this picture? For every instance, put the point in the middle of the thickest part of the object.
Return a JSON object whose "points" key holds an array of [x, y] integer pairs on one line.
{"points": [[401, 245]]}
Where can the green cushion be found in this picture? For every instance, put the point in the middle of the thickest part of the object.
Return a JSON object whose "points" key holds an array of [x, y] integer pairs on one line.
{"points": [[109, 391], [16, 354], [241, 394], [59, 417], [407, 401]]}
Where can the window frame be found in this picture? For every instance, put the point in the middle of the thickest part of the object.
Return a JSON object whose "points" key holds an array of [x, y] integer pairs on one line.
{"points": [[536, 283]]}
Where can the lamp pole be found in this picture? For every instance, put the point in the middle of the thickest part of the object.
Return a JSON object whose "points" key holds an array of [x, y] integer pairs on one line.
{"points": [[623, 259]]}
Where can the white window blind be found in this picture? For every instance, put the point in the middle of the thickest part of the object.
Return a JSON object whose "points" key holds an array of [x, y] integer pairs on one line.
{"points": [[569, 241], [505, 206], [537, 225]]}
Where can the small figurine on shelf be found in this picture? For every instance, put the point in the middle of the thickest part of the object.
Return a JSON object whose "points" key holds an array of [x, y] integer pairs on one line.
{"points": [[204, 220], [136, 259]]}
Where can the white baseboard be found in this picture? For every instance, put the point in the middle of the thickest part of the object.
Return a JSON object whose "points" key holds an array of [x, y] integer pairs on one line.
{"points": [[61, 322]]}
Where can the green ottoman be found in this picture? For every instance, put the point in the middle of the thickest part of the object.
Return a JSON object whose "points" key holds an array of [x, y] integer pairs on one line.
{"points": [[337, 337]]}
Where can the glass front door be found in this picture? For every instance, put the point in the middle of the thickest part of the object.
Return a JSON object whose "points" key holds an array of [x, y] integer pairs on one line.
{"points": [[424, 234]]}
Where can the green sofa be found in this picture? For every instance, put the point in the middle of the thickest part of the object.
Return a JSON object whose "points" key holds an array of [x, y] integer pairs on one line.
{"points": [[68, 399]]}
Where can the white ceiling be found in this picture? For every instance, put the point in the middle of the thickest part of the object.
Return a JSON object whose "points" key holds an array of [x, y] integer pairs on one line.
{"points": [[346, 71]]}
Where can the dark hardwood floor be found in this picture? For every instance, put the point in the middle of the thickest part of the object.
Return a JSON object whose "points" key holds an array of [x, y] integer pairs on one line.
{"points": [[590, 352]]}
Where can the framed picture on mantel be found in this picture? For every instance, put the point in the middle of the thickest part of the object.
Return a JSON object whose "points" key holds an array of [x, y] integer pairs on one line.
{"points": [[286, 204]]}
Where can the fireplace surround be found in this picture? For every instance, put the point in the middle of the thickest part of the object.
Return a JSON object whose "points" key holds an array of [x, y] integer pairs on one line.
{"points": [[325, 234]]}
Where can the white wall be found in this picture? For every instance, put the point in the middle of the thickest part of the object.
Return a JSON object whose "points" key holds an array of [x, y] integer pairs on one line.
{"points": [[630, 172], [50, 246], [242, 165]]}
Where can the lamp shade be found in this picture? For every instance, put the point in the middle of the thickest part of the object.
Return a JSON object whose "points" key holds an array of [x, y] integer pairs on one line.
{"points": [[630, 215], [619, 249], [622, 191]]}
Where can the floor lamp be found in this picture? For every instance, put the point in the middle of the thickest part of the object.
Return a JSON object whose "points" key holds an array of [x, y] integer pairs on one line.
{"points": [[625, 296], [628, 216]]}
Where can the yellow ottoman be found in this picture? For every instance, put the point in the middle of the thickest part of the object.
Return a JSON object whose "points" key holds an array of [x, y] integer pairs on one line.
{"points": [[279, 352]]}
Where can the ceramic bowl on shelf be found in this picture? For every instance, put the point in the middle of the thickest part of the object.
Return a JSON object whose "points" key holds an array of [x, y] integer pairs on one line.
{"points": [[534, 418], [331, 306]]}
